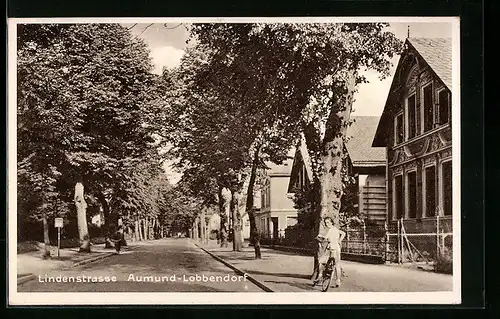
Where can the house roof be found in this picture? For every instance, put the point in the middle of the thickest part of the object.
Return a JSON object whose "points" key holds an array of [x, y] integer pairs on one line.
{"points": [[283, 169], [436, 52], [359, 147]]}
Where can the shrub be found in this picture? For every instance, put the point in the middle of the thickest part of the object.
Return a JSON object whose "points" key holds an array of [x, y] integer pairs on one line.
{"points": [[444, 262]]}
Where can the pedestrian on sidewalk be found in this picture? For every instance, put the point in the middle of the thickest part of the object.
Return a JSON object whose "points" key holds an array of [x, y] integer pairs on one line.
{"points": [[224, 236], [334, 237], [118, 239]]}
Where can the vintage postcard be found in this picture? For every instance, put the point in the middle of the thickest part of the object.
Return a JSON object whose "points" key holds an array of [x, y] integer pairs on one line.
{"points": [[243, 160]]}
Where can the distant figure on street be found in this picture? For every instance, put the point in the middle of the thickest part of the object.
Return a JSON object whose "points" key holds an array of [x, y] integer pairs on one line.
{"points": [[223, 236], [118, 239]]}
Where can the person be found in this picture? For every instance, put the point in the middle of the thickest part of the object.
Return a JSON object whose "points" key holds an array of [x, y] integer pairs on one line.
{"points": [[118, 239], [223, 236], [334, 237]]}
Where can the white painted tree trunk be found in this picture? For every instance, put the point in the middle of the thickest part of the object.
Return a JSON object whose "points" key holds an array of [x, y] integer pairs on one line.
{"points": [[81, 209], [331, 154]]}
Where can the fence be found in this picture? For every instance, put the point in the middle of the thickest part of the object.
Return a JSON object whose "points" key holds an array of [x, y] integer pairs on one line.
{"points": [[422, 240], [401, 241], [365, 240]]}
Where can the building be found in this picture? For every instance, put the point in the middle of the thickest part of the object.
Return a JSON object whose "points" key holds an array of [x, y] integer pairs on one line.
{"points": [[368, 167], [415, 129], [365, 162], [277, 210]]}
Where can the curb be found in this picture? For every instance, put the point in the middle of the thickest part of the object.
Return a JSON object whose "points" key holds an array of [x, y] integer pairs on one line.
{"points": [[237, 270], [90, 260], [24, 279]]}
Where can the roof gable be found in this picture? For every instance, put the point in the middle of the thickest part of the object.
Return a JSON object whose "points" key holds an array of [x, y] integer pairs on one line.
{"points": [[436, 53]]}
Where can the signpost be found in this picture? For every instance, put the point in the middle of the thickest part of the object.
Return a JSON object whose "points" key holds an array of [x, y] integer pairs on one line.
{"points": [[58, 223]]}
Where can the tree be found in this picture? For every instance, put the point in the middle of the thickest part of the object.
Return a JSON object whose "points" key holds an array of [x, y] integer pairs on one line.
{"points": [[91, 84], [308, 74], [222, 130]]}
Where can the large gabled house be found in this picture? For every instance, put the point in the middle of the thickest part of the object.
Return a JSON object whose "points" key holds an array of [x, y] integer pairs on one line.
{"points": [[365, 162], [415, 129]]}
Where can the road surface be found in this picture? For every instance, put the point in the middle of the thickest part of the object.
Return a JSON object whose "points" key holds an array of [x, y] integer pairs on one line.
{"points": [[167, 265]]}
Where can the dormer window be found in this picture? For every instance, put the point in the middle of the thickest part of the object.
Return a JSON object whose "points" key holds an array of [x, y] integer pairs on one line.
{"points": [[444, 107], [411, 104], [399, 131], [428, 106]]}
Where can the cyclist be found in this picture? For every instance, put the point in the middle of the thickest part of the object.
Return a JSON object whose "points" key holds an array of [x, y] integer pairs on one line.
{"points": [[334, 237]]}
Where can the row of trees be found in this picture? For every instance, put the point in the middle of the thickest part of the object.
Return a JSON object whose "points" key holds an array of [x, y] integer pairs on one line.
{"points": [[89, 131], [92, 116], [249, 92]]}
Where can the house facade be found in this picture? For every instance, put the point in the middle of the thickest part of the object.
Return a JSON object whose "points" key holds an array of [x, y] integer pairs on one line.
{"points": [[415, 129], [277, 210], [368, 167]]}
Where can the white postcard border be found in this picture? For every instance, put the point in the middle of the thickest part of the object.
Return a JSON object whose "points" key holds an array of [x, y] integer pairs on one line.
{"points": [[145, 298]]}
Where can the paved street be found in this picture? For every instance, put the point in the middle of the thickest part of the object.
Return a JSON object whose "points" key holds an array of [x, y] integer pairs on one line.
{"points": [[168, 265]]}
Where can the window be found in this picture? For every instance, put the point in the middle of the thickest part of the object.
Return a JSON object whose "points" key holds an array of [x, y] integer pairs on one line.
{"points": [[268, 196], [444, 107], [430, 191], [398, 196], [299, 181], [291, 221], [447, 188], [428, 108], [412, 195], [399, 128], [412, 120], [263, 198]]}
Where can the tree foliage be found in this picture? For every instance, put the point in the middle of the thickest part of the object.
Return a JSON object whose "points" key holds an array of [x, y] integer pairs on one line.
{"points": [[87, 107]]}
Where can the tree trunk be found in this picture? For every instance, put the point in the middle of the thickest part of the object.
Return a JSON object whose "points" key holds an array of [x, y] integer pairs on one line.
{"points": [[129, 232], [224, 217], [107, 221], [136, 230], [331, 155], [145, 228], [235, 213], [46, 238], [154, 229], [254, 233], [202, 226], [195, 228], [81, 209], [141, 230]]}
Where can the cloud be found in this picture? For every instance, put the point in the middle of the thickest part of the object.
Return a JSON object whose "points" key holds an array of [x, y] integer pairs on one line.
{"points": [[166, 56]]}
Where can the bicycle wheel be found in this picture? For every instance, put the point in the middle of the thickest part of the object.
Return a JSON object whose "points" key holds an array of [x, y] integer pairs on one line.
{"points": [[326, 283], [327, 277]]}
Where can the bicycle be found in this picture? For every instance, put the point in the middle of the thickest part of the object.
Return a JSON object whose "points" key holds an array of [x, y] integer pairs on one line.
{"points": [[328, 273]]}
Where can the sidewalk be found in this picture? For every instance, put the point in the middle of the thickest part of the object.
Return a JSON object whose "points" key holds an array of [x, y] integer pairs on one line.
{"points": [[31, 263], [290, 272]]}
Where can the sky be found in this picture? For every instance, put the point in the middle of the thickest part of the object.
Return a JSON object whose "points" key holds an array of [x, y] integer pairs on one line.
{"points": [[167, 43]]}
